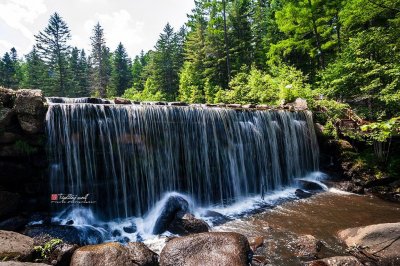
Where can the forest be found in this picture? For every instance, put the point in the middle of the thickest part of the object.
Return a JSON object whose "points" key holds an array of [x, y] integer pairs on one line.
{"points": [[237, 51]]}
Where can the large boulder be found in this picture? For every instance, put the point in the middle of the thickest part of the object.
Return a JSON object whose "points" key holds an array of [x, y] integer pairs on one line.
{"points": [[110, 254], [119, 100], [9, 203], [172, 207], [207, 249], [336, 261], [141, 255], [14, 246], [30, 106], [187, 224], [62, 254], [380, 242]]}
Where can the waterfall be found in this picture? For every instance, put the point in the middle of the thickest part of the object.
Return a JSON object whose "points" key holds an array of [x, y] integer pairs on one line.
{"points": [[127, 156]]}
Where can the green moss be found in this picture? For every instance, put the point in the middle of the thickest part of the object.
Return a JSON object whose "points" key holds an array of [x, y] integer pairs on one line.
{"points": [[47, 248], [24, 147]]}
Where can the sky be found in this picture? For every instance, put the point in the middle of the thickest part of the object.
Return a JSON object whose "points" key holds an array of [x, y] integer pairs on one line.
{"points": [[135, 23]]}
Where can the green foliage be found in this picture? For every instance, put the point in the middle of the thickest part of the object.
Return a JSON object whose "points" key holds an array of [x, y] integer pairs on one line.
{"points": [[121, 74], [382, 131], [25, 148], [51, 44], [47, 248]]}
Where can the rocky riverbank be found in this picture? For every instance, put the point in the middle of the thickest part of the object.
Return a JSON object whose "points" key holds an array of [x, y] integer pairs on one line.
{"points": [[23, 162]]}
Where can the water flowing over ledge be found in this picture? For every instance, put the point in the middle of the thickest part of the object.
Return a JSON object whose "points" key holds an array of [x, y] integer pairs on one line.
{"points": [[126, 157]]}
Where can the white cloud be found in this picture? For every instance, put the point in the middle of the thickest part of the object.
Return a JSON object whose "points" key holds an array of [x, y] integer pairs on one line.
{"points": [[118, 27], [20, 14]]}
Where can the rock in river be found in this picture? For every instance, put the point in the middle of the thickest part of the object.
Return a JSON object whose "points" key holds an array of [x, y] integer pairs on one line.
{"points": [[14, 246], [379, 241], [114, 254], [207, 249]]}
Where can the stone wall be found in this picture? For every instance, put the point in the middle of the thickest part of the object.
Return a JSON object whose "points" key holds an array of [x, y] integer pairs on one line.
{"points": [[23, 162]]}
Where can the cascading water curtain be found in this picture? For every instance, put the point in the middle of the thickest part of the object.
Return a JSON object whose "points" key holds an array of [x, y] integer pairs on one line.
{"points": [[127, 156]]}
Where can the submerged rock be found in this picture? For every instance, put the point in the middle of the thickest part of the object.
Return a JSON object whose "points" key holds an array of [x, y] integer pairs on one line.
{"points": [[307, 246], [256, 242], [69, 234], [171, 208], [309, 185], [14, 223], [187, 224], [110, 254], [14, 246], [302, 194], [207, 249], [380, 242]]}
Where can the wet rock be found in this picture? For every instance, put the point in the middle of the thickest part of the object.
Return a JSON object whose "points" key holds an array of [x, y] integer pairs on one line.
{"points": [[69, 234], [309, 185], [177, 104], [216, 217], [110, 254], [302, 194], [307, 246], [171, 208], [97, 101], [122, 101], [6, 115], [336, 261], [62, 254], [234, 105], [141, 255], [9, 203], [14, 223], [206, 249], [249, 106], [380, 242], [30, 106], [129, 229], [256, 242], [14, 246], [187, 224], [263, 107]]}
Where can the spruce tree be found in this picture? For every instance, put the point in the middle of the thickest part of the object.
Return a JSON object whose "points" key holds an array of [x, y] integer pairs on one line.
{"points": [[100, 62], [53, 48], [121, 76]]}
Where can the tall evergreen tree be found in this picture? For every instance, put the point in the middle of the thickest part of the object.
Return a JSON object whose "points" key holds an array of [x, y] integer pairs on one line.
{"points": [[53, 48], [100, 62], [10, 72], [121, 76], [36, 73]]}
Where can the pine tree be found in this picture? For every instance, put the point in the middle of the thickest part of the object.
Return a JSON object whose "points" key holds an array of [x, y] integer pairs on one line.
{"points": [[100, 62], [53, 48], [241, 51], [165, 64], [121, 76], [36, 73]]}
